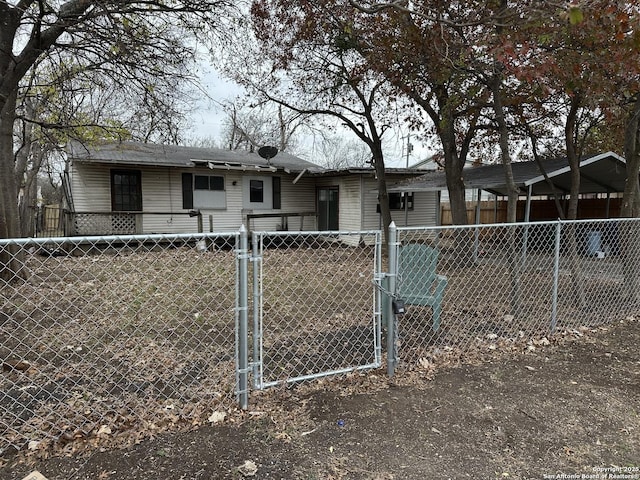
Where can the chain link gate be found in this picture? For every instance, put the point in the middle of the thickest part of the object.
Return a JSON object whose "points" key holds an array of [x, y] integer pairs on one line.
{"points": [[316, 309]]}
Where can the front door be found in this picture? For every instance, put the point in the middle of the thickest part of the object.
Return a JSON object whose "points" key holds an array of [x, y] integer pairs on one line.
{"points": [[328, 208]]}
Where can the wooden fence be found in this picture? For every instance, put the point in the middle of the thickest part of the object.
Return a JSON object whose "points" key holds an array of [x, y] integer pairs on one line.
{"points": [[541, 210]]}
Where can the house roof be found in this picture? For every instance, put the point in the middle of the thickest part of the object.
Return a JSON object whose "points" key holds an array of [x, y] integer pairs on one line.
{"points": [[148, 154], [600, 173], [365, 171]]}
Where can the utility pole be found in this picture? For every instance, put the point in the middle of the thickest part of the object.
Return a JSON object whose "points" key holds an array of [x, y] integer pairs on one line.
{"points": [[409, 148]]}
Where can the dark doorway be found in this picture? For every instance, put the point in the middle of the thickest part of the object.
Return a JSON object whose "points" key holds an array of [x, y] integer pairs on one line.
{"points": [[328, 208]]}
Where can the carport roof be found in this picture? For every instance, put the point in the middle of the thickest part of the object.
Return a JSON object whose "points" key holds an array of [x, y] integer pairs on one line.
{"points": [[601, 173]]}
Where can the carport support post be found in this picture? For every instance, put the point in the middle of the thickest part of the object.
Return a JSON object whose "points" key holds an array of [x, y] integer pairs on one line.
{"points": [[242, 325], [391, 318]]}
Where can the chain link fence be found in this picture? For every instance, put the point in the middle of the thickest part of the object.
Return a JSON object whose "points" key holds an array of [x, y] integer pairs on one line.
{"points": [[131, 335], [112, 335], [486, 285], [317, 311]]}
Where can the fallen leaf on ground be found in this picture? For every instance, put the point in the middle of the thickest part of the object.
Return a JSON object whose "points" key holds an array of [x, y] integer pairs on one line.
{"points": [[217, 417], [35, 475], [248, 468]]}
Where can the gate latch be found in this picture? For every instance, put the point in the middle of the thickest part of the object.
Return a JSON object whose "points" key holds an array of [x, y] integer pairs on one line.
{"points": [[398, 306]]}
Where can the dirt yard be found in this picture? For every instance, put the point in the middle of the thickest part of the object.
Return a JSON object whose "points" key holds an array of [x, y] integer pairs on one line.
{"points": [[552, 411]]}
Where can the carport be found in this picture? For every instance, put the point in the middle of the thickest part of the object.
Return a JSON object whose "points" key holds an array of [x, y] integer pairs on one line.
{"points": [[603, 173]]}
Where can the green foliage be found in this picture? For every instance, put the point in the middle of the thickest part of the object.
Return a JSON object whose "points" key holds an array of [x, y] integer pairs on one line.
{"points": [[576, 15], [346, 39]]}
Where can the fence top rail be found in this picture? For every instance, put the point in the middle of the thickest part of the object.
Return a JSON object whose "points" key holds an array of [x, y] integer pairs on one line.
{"points": [[333, 233], [127, 212], [115, 238], [518, 224]]}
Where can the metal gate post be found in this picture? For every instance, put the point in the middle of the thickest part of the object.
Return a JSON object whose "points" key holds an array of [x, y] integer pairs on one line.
{"points": [[379, 296], [256, 258], [556, 275], [242, 320], [391, 318]]}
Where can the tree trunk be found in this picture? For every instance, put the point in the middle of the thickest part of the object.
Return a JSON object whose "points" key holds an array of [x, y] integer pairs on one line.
{"points": [[453, 166], [513, 192], [573, 156], [35, 154], [536, 157], [383, 195], [631, 196], [573, 233], [630, 231], [9, 187], [11, 258], [444, 121], [27, 210]]}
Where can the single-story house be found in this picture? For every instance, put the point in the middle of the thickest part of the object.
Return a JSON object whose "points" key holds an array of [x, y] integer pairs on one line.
{"points": [[132, 188], [602, 180]]}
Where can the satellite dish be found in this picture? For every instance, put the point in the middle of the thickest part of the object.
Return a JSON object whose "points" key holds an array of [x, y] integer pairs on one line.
{"points": [[267, 152]]}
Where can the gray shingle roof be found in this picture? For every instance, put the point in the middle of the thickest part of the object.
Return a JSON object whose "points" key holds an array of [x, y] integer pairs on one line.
{"points": [[599, 174], [147, 154]]}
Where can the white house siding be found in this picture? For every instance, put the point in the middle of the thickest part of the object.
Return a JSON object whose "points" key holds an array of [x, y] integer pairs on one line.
{"points": [[226, 219], [90, 187], [424, 213], [161, 192], [349, 200], [350, 203], [162, 199], [358, 200], [295, 199]]}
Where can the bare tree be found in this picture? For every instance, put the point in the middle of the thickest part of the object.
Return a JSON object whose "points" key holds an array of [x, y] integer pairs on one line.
{"points": [[304, 59], [130, 43], [337, 152], [250, 125]]}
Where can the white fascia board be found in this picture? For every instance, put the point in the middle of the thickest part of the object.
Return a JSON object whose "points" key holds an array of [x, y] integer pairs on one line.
{"points": [[588, 161]]}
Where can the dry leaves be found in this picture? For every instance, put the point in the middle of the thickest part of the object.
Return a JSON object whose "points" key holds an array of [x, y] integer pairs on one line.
{"points": [[248, 468]]}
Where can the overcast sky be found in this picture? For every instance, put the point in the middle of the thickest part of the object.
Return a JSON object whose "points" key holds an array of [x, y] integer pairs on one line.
{"points": [[208, 118]]}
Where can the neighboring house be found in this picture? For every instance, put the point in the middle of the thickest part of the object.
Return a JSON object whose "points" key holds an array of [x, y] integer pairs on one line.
{"points": [[132, 188], [430, 164]]}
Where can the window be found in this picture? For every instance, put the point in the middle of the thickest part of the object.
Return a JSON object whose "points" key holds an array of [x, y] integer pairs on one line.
{"points": [[256, 191], [261, 192], [209, 192], [126, 190], [205, 182], [397, 201]]}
